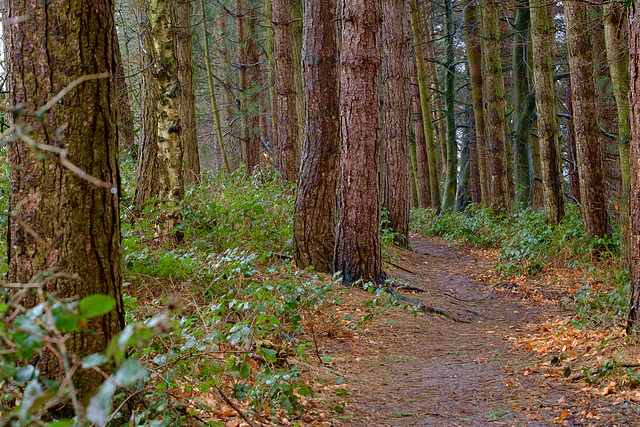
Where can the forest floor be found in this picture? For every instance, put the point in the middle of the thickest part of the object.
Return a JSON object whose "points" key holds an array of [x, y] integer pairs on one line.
{"points": [[501, 364]]}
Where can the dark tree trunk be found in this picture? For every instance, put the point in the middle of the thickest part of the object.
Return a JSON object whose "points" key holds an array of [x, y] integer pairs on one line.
{"points": [[314, 218], [358, 252], [126, 134], [397, 96], [76, 222], [449, 197], [574, 178], [286, 118], [585, 120], [422, 160]]}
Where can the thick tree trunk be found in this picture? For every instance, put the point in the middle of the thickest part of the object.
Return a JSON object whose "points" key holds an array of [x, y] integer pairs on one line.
{"points": [[585, 120], [187, 107], [449, 198], [76, 222], [548, 129], [314, 218], [286, 135], [634, 161], [425, 106], [523, 106], [422, 160], [396, 159], [616, 39], [474, 59], [358, 252], [494, 101]]}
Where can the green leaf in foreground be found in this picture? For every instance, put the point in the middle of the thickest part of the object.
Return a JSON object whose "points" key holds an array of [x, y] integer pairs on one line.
{"points": [[96, 305]]}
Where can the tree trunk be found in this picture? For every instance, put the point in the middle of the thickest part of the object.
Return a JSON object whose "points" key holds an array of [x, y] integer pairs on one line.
{"points": [[634, 161], [358, 252], [425, 105], [148, 170], [616, 39], [168, 110], [187, 107], [413, 176], [248, 71], [462, 191], [585, 120], [314, 218], [548, 129], [126, 134], [494, 101], [76, 222], [474, 59], [422, 160], [523, 106], [449, 198], [574, 179], [286, 146], [397, 96], [212, 94]]}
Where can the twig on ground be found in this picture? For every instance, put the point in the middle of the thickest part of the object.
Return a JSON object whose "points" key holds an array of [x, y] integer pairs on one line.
{"points": [[238, 410], [401, 268], [421, 305]]}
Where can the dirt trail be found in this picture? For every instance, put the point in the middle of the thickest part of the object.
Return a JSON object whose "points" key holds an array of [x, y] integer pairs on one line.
{"points": [[426, 370]]}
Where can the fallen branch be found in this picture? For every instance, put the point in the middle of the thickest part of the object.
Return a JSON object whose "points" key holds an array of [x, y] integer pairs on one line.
{"points": [[401, 268], [238, 410], [422, 306]]}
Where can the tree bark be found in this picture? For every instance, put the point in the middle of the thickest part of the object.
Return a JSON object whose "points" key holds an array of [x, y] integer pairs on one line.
{"points": [[523, 107], [474, 60], [585, 120], [494, 101], [126, 134], [76, 223], [634, 101], [449, 199], [422, 160], [358, 252], [548, 129], [396, 159], [616, 40], [286, 138], [425, 106], [314, 218], [187, 107]]}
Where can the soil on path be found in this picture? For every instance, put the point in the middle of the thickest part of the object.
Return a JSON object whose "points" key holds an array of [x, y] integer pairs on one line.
{"points": [[406, 370]]}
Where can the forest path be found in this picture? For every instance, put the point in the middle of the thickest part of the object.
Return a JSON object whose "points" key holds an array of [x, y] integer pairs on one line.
{"points": [[405, 370]]}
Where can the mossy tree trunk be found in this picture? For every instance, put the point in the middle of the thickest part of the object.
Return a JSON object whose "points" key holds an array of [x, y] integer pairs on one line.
{"points": [[494, 101], [76, 222], [616, 40], [358, 253], [396, 160], [314, 219], [548, 129]]}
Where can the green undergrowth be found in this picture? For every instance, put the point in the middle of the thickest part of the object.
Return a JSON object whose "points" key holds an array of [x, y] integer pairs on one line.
{"points": [[529, 245]]}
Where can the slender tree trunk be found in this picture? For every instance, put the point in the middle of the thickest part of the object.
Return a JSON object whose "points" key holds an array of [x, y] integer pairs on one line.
{"points": [[269, 32], [425, 105], [616, 39], [76, 222], [449, 199], [296, 32], [574, 178], [314, 218], [248, 70], [494, 100], [585, 120], [285, 103], [168, 110], [413, 176], [148, 170], [126, 134], [474, 59], [462, 192], [422, 160], [523, 107], [187, 107], [548, 129], [634, 161], [358, 252], [212, 93], [397, 96]]}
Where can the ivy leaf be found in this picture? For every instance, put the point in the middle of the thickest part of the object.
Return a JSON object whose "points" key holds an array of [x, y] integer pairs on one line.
{"points": [[96, 305], [100, 405], [94, 360], [26, 374], [130, 372], [32, 391]]}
